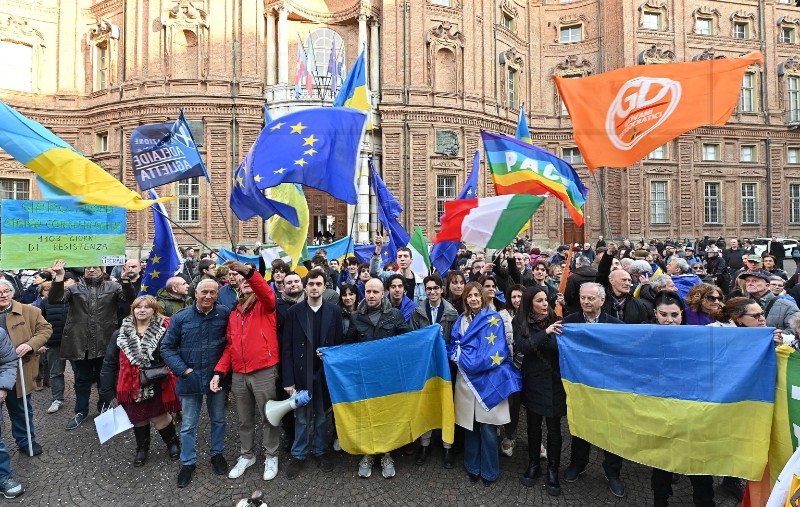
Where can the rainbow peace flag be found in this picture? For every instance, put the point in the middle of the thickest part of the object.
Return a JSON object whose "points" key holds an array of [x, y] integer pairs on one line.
{"points": [[388, 392], [521, 168], [696, 403]]}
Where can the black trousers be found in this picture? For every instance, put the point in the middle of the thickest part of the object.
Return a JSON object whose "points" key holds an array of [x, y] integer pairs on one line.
{"points": [[702, 488], [579, 458], [514, 406], [554, 440]]}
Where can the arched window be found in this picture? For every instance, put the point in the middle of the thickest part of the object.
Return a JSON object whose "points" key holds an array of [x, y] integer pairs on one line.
{"points": [[322, 41]]}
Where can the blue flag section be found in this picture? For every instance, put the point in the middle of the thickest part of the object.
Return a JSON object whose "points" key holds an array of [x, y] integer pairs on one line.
{"points": [[163, 153], [389, 210], [484, 360], [229, 255], [247, 201], [317, 147], [165, 258], [444, 253], [386, 393], [364, 253], [339, 249]]}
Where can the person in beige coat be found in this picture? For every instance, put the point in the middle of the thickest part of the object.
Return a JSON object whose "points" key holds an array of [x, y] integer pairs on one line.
{"points": [[481, 453], [28, 331]]}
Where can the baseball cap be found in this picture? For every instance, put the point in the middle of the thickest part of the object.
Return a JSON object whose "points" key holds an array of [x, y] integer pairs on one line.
{"points": [[753, 258], [757, 274]]}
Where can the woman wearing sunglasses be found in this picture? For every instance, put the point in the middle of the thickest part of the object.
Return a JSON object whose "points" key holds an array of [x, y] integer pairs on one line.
{"points": [[704, 303]]}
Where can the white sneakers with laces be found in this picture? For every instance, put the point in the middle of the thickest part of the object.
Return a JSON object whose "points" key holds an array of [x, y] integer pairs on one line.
{"points": [[242, 464], [270, 468]]}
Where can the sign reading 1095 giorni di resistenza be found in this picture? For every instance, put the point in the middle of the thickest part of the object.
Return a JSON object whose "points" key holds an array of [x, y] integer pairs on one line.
{"points": [[35, 233]]}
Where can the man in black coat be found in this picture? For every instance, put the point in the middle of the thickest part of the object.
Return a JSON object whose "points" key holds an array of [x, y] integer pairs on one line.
{"points": [[777, 249], [583, 272], [620, 303], [592, 299], [309, 325]]}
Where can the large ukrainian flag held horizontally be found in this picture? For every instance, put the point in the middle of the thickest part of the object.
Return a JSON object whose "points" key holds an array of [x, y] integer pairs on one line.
{"points": [[696, 402], [386, 393], [60, 169]]}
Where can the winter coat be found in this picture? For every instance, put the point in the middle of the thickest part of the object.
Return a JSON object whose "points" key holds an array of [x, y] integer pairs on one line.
{"points": [[195, 340], [542, 390], [169, 303], [8, 362], [780, 313], [447, 317], [375, 271], [252, 332], [390, 323], [684, 283], [92, 315], [56, 315], [635, 311], [25, 324], [572, 291], [297, 347]]}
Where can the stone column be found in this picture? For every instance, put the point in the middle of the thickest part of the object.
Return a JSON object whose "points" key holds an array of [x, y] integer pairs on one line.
{"points": [[362, 40], [283, 45], [271, 49], [374, 57], [362, 208]]}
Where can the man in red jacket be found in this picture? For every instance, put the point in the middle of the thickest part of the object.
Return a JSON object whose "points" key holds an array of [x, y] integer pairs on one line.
{"points": [[253, 354]]}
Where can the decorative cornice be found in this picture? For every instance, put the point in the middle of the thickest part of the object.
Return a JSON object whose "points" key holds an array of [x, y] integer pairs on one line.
{"points": [[185, 13], [299, 7], [656, 55], [511, 58], [445, 34], [104, 29], [509, 8], [708, 54], [18, 30], [572, 67], [790, 67]]}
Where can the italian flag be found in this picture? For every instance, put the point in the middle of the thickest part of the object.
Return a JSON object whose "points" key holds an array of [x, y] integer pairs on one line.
{"points": [[488, 222], [420, 259]]}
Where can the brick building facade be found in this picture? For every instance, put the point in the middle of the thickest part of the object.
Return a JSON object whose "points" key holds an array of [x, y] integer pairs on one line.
{"points": [[439, 71]]}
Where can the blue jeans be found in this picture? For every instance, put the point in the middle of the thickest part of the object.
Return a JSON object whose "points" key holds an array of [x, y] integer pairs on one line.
{"points": [[302, 427], [16, 412], [5, 459], [191, 404], [87, 372], [481, 455]]}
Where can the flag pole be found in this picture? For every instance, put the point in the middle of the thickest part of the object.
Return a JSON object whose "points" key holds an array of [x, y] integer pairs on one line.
{"points": [[173, 222], [603, 208], [355, 214]]}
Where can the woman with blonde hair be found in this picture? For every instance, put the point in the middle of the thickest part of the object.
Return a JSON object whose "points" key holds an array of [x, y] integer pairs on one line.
{"points": [[135, 374], [704, 304]]}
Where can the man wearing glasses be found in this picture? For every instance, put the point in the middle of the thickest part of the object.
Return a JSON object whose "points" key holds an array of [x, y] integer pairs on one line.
{"points": [[434, 310], [779, 311]]}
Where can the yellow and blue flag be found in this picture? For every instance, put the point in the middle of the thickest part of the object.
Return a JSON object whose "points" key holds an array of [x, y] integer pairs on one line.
{"points": [[317, 147], [484, 360], [247, 201], [339, 249], [697, 403], [354, 91], [63, 173], [388, 392], [165, 258], [291, 238], [523, 133]]}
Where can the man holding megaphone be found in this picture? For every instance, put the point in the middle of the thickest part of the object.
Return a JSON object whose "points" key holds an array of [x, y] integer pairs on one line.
{"points": [[309, 325]]}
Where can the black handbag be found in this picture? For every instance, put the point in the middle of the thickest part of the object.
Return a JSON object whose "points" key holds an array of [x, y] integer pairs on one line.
{"points": [[153, 374]]}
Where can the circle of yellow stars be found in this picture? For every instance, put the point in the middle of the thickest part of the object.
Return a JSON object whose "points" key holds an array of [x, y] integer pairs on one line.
{"points": [[494, 321], [309, 141]]}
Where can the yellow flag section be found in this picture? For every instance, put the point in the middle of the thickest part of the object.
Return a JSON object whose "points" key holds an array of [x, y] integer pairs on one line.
{"points": [[290, 238], [785, 425], [386, 393]]}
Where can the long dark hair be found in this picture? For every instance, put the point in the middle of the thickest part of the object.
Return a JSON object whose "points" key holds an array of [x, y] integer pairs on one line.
{"points": [[344, 288], [523, 316]]}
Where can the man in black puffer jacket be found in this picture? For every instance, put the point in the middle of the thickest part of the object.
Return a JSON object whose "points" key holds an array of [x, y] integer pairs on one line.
{"points": [[375, 317]]}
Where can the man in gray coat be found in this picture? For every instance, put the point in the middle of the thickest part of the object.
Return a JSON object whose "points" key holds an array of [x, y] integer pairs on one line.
{"points": [[778, 311], [9, 487]]}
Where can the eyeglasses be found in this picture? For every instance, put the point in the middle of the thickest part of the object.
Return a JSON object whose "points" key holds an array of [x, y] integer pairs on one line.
{"points": [[713, 298], [760, 315], [5, 292], [433, 288]]}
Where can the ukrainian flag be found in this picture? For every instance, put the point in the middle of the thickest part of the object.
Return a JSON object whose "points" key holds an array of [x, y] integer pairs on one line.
{"points": [[693, 400], [60, 169], [388, 392], [290, 238], [354, 91]]}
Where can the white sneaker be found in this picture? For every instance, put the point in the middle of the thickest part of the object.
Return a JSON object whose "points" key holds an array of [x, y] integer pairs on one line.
{"points": [[542, 452], [242, 464], [365, 466], [336, 446], [270, 468], [387, 465], [54, 406]]}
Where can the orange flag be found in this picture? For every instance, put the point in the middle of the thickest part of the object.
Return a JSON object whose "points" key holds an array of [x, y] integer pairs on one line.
{"points": [[619, 117]]}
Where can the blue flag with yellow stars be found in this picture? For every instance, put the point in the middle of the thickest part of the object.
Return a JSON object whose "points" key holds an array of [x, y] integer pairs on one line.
{"points": [[247, 200], [364, 253], [317, 147], [389, 210], [484, 360], [165, 258], [444, 253]]}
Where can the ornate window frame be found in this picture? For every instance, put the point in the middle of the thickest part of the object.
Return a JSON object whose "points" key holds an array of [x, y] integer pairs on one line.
{"points": [[789, 68], [509, 11], [104, 34], [706, 13], [446, 37], [185, 16], [512, 61], [655, 7], [747, 18], [581, 21], [571, 67], [756, 71], [788, 22], [17, 30]]}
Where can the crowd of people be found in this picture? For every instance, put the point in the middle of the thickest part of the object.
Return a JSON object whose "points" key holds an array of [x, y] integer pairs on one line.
{"points": [[220, 330]]}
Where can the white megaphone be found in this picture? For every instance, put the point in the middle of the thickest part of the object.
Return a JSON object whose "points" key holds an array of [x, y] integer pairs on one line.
{"points": [[275, 410]]}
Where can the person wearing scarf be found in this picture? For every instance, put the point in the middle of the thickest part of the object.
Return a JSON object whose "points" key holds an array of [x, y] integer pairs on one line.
{"points": [[135, 346]]}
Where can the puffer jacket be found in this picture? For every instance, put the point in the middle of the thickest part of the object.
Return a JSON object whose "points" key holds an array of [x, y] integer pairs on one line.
{"points": [[56, 315], [252, 332], [8, 362], [92, 315], [390, 323]]}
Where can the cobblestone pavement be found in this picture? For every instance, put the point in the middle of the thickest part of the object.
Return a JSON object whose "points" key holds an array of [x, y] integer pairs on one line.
{"points": [[75, 469]]}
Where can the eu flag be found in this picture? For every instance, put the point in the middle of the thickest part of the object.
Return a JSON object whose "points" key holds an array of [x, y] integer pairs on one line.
{"points": [[364, 253], [444, 253], [483, 358], [317, 147], [389, 210], [247, 201], [165, 259]]}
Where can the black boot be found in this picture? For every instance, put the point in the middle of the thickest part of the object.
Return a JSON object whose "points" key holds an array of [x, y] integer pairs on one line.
{"points": [[530, 475], [142, 434], [170, 437], [553, 486]]}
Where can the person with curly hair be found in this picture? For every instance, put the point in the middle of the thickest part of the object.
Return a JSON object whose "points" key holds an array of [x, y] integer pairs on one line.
{"points": [[704, 304]]}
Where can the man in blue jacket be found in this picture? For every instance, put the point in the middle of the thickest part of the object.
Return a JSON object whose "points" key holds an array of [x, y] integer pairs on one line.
{"points": [[9, 486], [191, 348]]}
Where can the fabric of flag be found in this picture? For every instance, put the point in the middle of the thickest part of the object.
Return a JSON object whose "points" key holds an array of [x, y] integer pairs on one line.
{"points": [[267, 116], [303, 76], [488, 222], [785, 423], [420, 259], [386, 393], [225, 254], [270, 253], [619, 117], [292, 239], [638, 290], [333, 69], [316, 147], [695, 403], [247, 201], [354, 91], [339, 249], [164, 153], [62, 172], [521, 168], [165, 257], [389, 210], [484, 360], [364, 253], [523, 133], [444, 253]]}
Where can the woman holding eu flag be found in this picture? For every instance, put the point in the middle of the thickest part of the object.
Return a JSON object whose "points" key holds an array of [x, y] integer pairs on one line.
{"points": [[486, 378]]}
